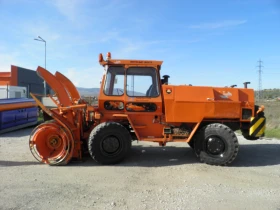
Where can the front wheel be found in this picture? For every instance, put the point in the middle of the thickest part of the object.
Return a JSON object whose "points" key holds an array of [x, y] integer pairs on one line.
{"points": [[109, 143], [216, 144]]}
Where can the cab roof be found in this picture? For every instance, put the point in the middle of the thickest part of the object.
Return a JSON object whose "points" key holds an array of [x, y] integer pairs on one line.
{"points": [[110, 61]]}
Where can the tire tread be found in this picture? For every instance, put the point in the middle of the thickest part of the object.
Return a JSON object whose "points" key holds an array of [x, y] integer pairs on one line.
{"points": [[219, 129], [103, 127]]}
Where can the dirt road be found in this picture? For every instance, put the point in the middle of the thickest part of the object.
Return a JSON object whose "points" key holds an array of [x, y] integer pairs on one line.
{"points": [[152, 177]]}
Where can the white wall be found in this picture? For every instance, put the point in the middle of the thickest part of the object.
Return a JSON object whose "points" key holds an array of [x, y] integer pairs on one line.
{"points": [[13, 92]]}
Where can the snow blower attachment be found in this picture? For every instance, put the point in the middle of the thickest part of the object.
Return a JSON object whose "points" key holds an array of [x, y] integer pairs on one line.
{"points": [[134, 103]]}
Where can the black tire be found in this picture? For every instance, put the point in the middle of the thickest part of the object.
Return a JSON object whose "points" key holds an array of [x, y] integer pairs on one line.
{"points": [[109, 143], [216, 144], [191, 144]]}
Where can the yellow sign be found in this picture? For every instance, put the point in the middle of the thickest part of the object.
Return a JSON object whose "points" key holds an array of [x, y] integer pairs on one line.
{"points": [[257, 126]]}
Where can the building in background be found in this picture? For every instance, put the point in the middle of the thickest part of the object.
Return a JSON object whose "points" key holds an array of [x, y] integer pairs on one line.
{"points": [[23, 77], [12, 92]]}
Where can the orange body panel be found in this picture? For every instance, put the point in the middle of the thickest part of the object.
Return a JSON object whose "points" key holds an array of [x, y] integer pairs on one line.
{"points": [[176, 104], [193, 104], [172, 107]]}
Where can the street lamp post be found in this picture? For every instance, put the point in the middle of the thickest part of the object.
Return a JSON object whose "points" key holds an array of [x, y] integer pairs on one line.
{"points": [[42, 40]]}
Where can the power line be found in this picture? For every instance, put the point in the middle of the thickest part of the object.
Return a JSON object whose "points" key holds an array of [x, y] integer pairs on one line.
{"points": [[259, 94]]}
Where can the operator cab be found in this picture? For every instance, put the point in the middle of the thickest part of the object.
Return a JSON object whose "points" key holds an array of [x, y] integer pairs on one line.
{"points": [[131, 86], [140, 82], [131, 78]]}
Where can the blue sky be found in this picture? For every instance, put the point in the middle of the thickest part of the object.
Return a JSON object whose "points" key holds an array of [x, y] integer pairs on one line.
{"points": [[208, 43]]}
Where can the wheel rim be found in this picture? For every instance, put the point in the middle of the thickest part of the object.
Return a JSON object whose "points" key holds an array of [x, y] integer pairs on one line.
{"points": [[215, 146], [110, 146]]}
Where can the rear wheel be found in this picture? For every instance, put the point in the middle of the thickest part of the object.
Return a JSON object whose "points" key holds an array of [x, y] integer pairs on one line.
{"points": [[216, 144], [109, 143]]}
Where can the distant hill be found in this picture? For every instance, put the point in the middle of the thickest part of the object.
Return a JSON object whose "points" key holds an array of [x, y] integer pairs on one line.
{"points": [[269, 94], [88, 91]]}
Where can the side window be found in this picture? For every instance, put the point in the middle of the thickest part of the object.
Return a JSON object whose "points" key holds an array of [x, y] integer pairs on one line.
{"points": [[114, 84], [142, 82]]}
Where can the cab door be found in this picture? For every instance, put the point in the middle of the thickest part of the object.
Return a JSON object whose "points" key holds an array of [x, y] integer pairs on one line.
{"points": [[143, 100]]}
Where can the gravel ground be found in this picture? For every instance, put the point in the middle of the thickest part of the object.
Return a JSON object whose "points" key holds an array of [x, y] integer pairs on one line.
{"points": [[152, 177]]}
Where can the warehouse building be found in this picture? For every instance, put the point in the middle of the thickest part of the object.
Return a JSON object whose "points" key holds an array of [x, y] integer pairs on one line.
{"points": [[23, 77]]}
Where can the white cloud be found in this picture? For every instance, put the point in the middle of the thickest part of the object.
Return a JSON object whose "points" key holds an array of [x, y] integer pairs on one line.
{"points": [[215, 25], [68, 8], [6, 60], [87, 78], [40, 28]]}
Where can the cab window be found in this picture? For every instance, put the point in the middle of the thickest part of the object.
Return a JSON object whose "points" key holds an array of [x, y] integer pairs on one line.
{"points": [[142, 82], [114, 84]]}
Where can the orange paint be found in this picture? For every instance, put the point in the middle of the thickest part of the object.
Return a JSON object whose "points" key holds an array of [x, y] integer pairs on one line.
{"points": [[14, 76], [69, 86], [152, 118], [5, 107], [5, 78]]}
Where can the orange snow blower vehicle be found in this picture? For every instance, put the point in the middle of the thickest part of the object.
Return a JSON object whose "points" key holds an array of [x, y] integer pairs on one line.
{"points": [[134, 103]]}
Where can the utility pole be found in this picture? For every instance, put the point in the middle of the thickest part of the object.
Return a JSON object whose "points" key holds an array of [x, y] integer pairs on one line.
{"points": [[42, 40], [260, 95]]}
